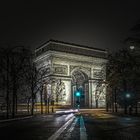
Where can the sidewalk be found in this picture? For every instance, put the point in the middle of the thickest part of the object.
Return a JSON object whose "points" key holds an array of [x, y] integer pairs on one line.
{"points": [[122, 114]]}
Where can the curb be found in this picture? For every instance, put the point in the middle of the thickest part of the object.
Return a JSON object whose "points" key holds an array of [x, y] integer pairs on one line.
{"points": [[28, 117], [16, 119]]}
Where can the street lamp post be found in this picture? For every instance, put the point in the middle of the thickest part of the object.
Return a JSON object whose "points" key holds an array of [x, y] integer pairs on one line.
{"points": [[115, 98], [127, 97], [135, 48]]}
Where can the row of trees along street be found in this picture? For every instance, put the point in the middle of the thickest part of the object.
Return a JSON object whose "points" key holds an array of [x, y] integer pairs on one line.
{"points": [[19, 79], [123, 76]]}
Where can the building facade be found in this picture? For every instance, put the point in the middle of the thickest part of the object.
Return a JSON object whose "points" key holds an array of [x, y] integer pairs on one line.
{"points": [[69, 68]]}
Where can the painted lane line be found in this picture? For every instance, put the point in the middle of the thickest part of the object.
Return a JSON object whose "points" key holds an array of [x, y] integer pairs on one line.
{"points": [[73, 125], [83, 133], [60, 130], [71, 128], [69, 116]]}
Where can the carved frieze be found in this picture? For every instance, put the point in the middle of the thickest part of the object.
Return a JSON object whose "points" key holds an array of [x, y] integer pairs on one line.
{"points": [[60, 69], [72, 67], [47, 71], [98, 74], [44, 62]]}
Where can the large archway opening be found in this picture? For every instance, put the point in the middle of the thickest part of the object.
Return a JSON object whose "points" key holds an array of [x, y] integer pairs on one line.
{"points": [[80, 83]]}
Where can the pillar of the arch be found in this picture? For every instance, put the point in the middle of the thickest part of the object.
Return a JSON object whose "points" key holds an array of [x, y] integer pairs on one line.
{"points": [[90, 94], [67, 92]]}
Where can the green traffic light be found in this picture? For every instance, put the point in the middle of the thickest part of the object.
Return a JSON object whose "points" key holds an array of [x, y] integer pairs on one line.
{"points": [[78, 94]]}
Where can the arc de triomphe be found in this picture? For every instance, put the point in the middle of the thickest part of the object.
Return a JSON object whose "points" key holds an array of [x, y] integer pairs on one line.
{"points": [[69, 68]]}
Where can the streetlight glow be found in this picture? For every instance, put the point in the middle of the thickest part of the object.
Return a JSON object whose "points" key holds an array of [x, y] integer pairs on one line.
{"points": [[127, 95], [132, 47]]}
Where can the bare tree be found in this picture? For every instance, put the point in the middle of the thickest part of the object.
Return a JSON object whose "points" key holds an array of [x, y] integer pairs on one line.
{"points": [[122, 77], [60, 86], [12, 63], [99, 91]]}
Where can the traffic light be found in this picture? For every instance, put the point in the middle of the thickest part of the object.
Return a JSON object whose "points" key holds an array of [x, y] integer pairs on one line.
{"points": [[78, 94], [78, 102]]}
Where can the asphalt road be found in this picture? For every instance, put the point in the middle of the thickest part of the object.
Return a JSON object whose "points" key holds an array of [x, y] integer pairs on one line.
{"points": [[36, 128], [88, 125], [106, 126]]}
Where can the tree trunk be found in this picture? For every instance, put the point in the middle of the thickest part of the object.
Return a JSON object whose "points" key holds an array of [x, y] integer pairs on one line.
{"points": [[112, 106], [7, 101], [14, 102], [48, 105], [14, 95], [13, 106], [41, 102], [115, 99], [125, 109], [57, 98], [96, 103], [28, 105], [116, 108], [136, 109], [7, 86], [107, 107], [32, 95], [32, 106], [125, 102]]}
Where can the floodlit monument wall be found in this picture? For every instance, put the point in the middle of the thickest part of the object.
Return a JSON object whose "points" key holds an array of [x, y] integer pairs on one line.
{"points": [[69, 68]]}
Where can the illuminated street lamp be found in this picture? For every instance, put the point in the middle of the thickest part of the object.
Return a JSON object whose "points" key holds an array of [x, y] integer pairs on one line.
{"points": [[135, 48], [127, 99], [132, 47], [128, 95]]}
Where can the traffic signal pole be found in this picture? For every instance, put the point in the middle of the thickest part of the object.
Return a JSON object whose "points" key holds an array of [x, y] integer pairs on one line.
{"points": [[78, 94]]}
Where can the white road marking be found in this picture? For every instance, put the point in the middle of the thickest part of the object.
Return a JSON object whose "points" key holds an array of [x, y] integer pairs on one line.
{"points": [[71, 128], [60, 130], [83, 134], [69, 116], [73, 125]]}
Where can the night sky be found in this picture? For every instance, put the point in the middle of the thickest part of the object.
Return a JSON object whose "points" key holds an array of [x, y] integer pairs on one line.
{"points": [[99, 24]]}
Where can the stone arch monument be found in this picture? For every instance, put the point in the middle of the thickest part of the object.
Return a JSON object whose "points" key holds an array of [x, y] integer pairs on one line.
{"points": [[69, 67]]}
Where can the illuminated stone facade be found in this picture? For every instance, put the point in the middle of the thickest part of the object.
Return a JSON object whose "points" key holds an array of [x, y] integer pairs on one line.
{"points": [[68, 68]]}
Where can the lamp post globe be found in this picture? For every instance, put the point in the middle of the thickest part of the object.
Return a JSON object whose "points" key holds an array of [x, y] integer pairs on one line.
{"points": [[128, 95], [132, 47]]}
